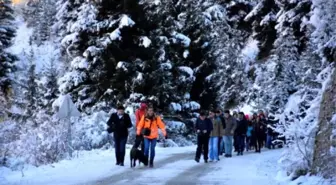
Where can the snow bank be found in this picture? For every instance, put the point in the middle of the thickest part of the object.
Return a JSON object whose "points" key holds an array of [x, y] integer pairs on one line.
{"points": [[92, 165], [283, 179]]}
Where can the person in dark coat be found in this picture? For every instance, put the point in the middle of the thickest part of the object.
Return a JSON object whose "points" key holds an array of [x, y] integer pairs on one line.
{"points": [[119, 123], [263, 122], [235, 138], [258, 132], [241, 133], [203, 129]]}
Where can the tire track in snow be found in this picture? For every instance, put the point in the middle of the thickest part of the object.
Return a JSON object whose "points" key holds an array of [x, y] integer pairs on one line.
{"points": [[131, 175]]}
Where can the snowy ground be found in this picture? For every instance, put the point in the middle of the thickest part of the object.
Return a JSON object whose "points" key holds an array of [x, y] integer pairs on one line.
{"points": [[172, 166]]}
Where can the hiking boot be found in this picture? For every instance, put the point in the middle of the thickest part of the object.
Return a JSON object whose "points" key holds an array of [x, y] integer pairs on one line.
{"points": [[230, 155], [226, 155], [151, 163], [197, 160], [206, 160], [117, 163], [121, 164]]}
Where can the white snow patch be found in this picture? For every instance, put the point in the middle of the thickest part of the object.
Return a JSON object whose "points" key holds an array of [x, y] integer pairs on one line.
{"points": [[185, 54], [115, 35], [175, 107], [122, 65], [188, 70], [126, 21], [249, 53], [79, 63], [182, 38], [192, 105], [145, 41]]}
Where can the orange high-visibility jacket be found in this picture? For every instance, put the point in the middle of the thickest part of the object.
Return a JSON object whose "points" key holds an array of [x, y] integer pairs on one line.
{"points": [[156, 124]]}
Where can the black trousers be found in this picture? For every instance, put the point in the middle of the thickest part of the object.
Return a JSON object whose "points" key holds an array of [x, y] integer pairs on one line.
{"points": [[120, 148], [202, 146], [258, 142], [235, 143]]}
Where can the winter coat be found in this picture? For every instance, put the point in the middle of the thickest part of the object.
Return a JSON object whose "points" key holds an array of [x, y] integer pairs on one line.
{"points": [[119, 125], [138, 115], [258, 127], [205, 124], [153, 124], [241, 127], [217, 125], [230, 126]]}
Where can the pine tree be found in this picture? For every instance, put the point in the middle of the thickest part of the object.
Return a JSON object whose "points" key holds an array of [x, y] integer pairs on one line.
{"points": [[45, 18], [30, 90], [48, 87], [7, 32]]}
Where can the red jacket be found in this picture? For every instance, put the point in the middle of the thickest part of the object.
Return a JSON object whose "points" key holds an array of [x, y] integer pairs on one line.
{"points": [[138, 115]]}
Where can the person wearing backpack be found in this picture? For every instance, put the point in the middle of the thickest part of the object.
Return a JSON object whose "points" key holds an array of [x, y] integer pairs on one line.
{"points": [[119, 123], [149, 127]]}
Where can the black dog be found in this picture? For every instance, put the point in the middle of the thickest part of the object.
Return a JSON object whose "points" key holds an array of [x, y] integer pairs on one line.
{"points": [[137, 154]]}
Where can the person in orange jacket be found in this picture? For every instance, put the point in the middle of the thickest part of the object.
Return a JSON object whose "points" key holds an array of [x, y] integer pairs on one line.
{"points": [[149, 126]]}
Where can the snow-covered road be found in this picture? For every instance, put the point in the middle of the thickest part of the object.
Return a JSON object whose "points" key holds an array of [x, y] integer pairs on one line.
{"points": [[172, 166], [181, 169]]}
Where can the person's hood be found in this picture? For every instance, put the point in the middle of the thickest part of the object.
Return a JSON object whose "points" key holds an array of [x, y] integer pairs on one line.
{"points": [[143, 106]]}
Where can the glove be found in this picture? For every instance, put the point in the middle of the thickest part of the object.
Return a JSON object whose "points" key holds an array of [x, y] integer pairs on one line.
{"points": [[204, 131], [198, 131], [166, 137]]}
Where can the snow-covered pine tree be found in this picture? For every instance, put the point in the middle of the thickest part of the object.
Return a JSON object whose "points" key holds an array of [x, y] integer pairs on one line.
{"points": [[262, 19], [323, 20], [279, 78], [7, 32], [48, 87], [45, 19], [30, 90], [31, 12]]}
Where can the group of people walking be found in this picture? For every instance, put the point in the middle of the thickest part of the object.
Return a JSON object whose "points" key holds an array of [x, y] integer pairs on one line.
{"points": [[219, 134], [147, 125]]}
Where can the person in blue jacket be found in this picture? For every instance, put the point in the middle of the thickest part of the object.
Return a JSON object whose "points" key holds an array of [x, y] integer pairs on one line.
{"points": [[203, 128]]}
